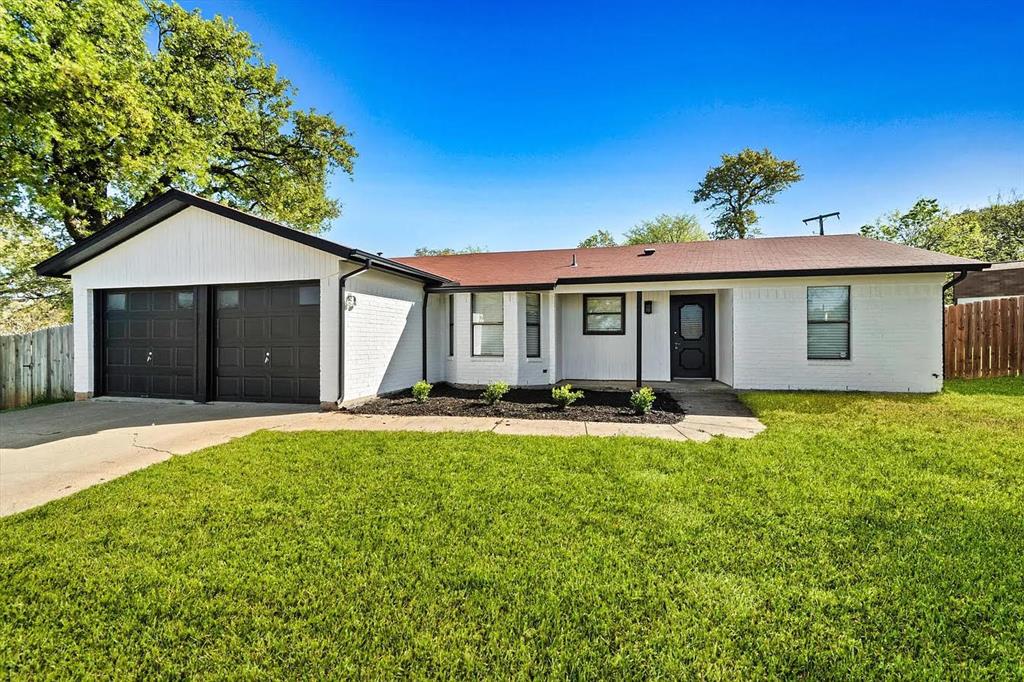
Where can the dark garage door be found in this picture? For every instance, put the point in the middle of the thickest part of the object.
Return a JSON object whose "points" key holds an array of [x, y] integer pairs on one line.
{"points": [[149, 343], [267, 343]]}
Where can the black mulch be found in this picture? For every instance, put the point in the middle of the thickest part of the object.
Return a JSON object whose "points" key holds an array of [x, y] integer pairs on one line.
{"points": [[524, 403]]}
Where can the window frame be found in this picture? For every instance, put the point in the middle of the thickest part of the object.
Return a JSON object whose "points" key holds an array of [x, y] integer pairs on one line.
{"points": [[451, 325], [473, 325], [847, 321], [540, 342], [605, 332]]}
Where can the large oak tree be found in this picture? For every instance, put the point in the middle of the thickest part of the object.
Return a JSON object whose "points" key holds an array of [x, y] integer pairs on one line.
{"points": [[105, 103]]}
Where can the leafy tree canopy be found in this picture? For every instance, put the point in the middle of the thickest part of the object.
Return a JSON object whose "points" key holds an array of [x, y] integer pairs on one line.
{"points": [[426, 251], [993, 233], [663, 229], [740, 182], [599, 238], [105, 103]]}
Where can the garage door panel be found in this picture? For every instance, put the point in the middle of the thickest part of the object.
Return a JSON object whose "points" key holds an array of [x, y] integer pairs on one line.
{"points": [[163, 301], [253, 357], [138, 329], [268, 319], [162, 329], [116, 329], [254, 328], [229, 329], [184, 357], [229, 357], [308, 358], [254, 300], [184, 329], [149, 343], [282, 327]]}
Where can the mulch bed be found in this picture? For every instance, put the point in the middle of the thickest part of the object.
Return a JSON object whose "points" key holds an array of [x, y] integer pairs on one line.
{"points": [[523, 403]]}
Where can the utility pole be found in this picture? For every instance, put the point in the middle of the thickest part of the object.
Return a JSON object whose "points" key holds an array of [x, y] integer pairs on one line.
{"points": [[821, 221]]}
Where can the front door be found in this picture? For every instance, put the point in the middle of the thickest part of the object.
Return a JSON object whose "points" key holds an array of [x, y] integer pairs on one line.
{"points": [[693, 336]]}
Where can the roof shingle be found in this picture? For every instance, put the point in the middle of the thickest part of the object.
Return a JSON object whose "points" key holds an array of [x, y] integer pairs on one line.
{"points": [[771, 256]]}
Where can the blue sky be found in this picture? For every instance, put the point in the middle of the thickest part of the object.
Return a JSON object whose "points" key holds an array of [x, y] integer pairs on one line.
{"points": [[530, 125]]}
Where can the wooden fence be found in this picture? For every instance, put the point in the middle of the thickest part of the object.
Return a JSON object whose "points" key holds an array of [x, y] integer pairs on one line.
{"points": [[36, 367], [985, 338]]}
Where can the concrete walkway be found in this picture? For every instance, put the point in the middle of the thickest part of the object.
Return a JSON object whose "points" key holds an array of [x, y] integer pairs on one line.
{"points": [[51, 451]]}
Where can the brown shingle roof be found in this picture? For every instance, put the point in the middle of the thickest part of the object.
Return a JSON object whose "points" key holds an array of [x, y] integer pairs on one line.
{"points": [[847, 254]]}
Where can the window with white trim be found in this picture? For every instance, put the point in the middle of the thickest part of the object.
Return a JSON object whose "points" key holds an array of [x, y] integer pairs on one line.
{"points": [[487, 321], [828, 323], [532, 325], [604, 313]]}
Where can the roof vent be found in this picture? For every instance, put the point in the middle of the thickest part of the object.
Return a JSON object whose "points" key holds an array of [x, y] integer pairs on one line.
{"points": [[573, 261], [648, 252]]}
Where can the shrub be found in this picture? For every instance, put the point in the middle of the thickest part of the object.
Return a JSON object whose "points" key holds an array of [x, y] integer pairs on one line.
{"points": [[421, 391], [494, 392], [564, 396], [642, 400]]}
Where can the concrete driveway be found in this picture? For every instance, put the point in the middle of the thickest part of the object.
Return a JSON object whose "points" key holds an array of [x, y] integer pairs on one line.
{"points": [[51, 451]]}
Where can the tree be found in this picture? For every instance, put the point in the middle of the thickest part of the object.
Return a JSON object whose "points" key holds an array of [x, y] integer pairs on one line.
{"points": [[992, 233], [93, 119], [427, 251], [663, 229], [666, 229], [740, 182], [599, 238]]}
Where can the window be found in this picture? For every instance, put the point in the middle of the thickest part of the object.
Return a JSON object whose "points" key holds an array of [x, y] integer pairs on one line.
{"points": [[116, 302], [828, 323], [691, 321], [533, 325], [185, 300], [604, 313], [227, 298], [309, 295], [487, 323], [451, 325]]}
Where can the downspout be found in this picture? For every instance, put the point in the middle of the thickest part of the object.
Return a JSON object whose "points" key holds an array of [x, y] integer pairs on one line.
{"points": [[341, 326], [953, 282]]}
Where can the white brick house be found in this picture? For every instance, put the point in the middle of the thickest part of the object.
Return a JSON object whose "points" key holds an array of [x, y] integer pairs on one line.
{"points": [[185, 298]]}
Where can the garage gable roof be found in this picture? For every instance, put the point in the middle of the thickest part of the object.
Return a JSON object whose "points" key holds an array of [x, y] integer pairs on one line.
{"points": [[173, 201]]}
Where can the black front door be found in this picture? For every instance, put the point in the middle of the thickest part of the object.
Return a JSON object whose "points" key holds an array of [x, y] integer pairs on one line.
{"points": [[149, 343], [267, 343], [693, 336]]}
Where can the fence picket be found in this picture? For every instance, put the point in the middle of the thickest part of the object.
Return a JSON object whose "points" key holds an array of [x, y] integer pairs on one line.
{"points": [[36, 366], [985, 338]]}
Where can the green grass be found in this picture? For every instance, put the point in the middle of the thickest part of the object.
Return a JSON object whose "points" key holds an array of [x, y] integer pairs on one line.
{"points": [[860, 536]]}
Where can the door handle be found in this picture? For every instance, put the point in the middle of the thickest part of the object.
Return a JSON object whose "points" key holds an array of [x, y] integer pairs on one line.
{"points": [[266, 358], [149, 356]]}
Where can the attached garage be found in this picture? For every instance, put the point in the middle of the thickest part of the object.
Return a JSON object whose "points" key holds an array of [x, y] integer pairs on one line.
{"points": [[184, 298]]}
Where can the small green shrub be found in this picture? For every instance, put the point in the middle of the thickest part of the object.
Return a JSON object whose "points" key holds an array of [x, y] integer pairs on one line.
{"points": [[642, 400], [421, 391], [564, 396], [494, 392]]}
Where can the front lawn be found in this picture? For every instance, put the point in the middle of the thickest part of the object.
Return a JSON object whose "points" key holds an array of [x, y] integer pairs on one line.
{"points": [[859, 536]]}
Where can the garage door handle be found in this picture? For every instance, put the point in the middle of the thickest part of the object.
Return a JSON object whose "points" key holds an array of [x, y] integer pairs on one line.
{"points": [[266, 358], [149, 356]]}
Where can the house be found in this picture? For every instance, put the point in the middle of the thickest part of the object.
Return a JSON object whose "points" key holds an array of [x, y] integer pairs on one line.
{"points": [[185, 298], [999, 281]]}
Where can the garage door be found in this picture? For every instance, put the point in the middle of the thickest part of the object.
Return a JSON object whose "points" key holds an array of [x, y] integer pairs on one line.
{"points": [[149, 343], [267, 342]]}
